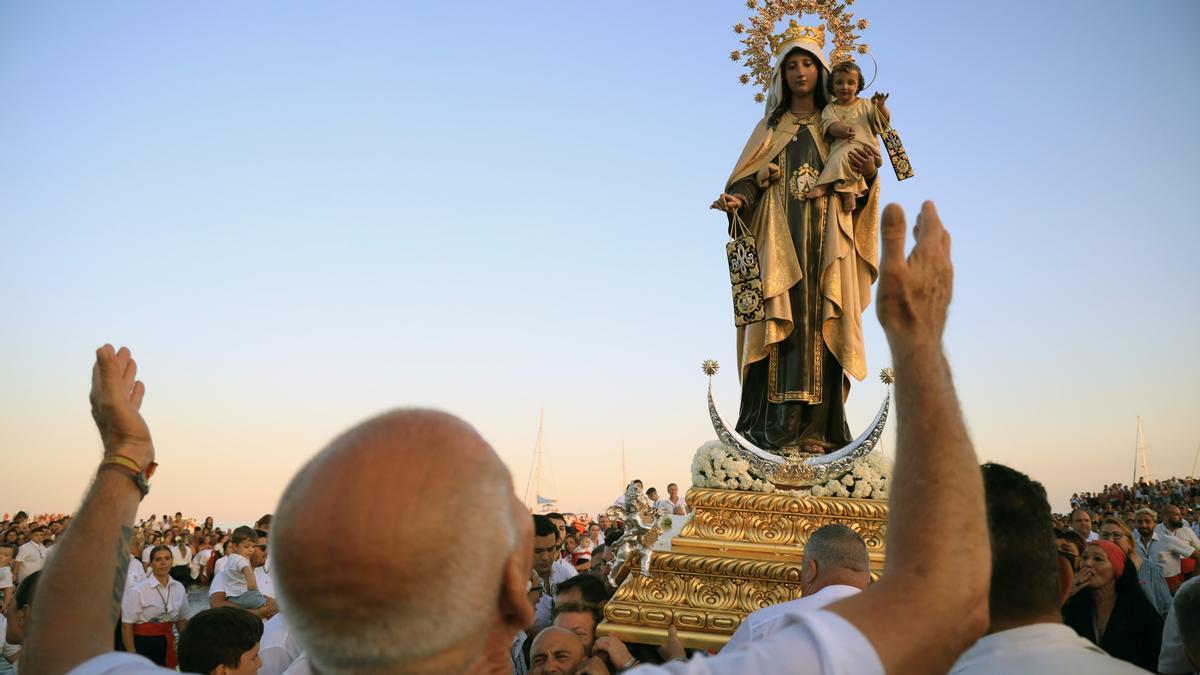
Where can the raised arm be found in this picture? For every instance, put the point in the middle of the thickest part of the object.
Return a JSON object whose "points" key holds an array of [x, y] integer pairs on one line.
{"points": [[936, 487], [79, 594]]}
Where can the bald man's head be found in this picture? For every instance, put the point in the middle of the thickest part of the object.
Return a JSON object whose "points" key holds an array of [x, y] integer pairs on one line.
{"points": [[555, 651], [373, 570]]}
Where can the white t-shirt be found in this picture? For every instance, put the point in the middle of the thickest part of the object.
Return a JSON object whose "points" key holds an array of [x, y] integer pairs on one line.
{"points": [[199, 561], [180, 555], [1038, 648], [813, 642], [763, 623], [135, 575], [6, 581], [151, 601], [32, 557], [219, 567], [233, 577], [278, 648]]}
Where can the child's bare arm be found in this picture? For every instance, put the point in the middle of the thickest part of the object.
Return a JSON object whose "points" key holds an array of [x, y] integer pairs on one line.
{"points": [[251, 583], [880, 101]]}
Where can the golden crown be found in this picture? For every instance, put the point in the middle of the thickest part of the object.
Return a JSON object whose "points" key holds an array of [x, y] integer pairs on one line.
{"points": [[761, 43], [797, 33]]}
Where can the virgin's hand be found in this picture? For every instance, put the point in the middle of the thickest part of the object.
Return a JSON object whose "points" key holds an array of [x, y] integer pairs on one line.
{"points": [[116, 399], [727, 203], [865, 160], [914, 292]]}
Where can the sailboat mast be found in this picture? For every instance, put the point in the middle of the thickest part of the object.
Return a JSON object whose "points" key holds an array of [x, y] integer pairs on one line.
{"points": [[624, 481], [537, 472], [1141, 452]]}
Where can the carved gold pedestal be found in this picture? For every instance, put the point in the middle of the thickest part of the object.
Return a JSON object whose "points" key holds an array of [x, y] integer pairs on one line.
{"points": [[740, 552]]}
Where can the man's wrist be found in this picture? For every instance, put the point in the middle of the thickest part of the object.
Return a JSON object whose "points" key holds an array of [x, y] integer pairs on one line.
{"points": [[141, 452]]}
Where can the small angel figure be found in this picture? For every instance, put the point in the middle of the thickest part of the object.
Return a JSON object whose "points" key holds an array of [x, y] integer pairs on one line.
{"points": [[634, 507], [849, 120]]}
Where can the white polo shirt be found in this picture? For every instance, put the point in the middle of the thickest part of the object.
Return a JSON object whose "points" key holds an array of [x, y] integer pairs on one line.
{"points": [[1182, 533], [1038, 648], [151, 601], [763, 623], [32, 557], [278, 649]]}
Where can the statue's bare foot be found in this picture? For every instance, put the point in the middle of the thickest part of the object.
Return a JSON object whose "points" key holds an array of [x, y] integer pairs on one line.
{"points": [[816, 191], [847, 201], [813, 449]]}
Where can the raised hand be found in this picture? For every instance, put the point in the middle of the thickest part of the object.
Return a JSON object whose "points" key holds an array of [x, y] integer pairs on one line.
{"points": [[879, 98], [727, 203], [116, 399], [914, 292]]}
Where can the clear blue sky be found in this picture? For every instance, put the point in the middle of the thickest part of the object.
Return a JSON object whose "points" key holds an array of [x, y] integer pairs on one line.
{"points": [[300, 213]]}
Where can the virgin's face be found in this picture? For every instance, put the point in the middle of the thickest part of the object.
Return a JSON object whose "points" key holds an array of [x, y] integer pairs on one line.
{"points": [[1095, 559], [800, 73]]}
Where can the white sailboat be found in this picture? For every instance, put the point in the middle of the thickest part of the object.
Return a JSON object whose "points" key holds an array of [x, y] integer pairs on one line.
{"points": [[541, 504]]}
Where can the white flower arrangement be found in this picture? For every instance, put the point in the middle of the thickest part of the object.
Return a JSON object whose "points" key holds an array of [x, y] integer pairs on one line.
{"points": [[716, 466]]}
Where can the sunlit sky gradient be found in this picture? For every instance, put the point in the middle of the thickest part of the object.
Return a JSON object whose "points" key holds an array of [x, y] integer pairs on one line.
{"points": [[299, 214]]}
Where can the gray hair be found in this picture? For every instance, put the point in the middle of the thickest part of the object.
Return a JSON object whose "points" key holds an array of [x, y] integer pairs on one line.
{"points": [[1146, 511], [838, 546]]}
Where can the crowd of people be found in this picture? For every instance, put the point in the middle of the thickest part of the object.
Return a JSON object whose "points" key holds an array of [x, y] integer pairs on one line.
{"points": [[320, 587]]}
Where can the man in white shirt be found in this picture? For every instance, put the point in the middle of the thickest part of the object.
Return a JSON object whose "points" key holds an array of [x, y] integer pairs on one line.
{"points": [[1158, 545], [673, 503], [1029, 582], [31, 556], [1173, 524], [1081, 522], [278, 648], [460, 612], [836, 565]]}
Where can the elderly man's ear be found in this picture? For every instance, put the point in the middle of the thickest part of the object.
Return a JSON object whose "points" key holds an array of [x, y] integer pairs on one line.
{"points": [[515, 607]]}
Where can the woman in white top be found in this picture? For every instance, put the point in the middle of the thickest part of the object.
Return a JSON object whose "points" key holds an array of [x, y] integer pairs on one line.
{"points": [[150, 611], [181, 553]]}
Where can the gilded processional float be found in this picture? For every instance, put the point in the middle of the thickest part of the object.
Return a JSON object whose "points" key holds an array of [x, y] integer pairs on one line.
{"points": [[803, 211]]}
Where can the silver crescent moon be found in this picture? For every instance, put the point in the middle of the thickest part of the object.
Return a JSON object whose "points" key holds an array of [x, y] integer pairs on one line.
{"points": [[803, 473]]}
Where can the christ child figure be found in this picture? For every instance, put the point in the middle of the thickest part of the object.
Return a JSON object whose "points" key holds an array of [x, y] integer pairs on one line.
{"points": [[848, 120]]}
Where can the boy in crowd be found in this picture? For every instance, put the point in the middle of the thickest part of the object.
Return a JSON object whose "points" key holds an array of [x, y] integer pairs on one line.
{"points": [[241, 588], [221, 641], [7, 553]]}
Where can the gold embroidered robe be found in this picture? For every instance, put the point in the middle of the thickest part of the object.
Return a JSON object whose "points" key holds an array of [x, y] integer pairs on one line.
{"points": [[818, 264]]}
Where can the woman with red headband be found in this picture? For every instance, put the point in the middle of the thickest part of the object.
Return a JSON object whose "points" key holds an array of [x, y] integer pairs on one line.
{"points": [[1108, 607]]}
